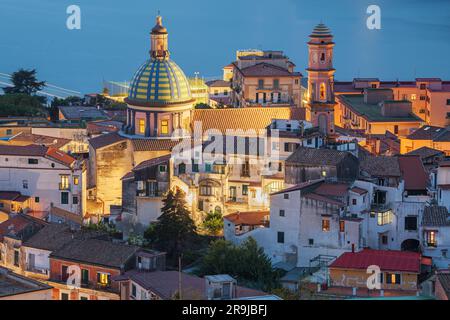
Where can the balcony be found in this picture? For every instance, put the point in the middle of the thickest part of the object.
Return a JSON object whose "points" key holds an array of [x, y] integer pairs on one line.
{"points": [[64, 186], [149, 193], [38, 270]]}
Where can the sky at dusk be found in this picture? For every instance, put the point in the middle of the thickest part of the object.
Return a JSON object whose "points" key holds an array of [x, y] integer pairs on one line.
{"points": [[414, 40]]}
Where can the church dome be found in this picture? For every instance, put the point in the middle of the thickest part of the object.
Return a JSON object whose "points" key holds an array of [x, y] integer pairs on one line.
{"points": [[159, 82]]}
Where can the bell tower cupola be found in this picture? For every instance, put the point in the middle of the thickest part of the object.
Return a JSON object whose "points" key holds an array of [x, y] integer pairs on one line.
{"points": [[159, 42]]}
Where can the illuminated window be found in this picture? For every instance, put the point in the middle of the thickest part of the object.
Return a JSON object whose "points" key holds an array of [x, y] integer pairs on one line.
{"points": [[325, 225], [76, 180], [393, 278], [413, 96], [164, 127], [103, 279], [430, 237], [322, 91], [384, 218], [141, 126], [342, 226]]}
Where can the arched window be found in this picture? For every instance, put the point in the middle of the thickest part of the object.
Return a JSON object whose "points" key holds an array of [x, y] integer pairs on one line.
{"points": [[322, 57], [322, 92], [181, 168]]}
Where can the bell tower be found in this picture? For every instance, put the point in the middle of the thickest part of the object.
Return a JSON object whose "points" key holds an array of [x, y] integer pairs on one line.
{"points": [[320, 105]]}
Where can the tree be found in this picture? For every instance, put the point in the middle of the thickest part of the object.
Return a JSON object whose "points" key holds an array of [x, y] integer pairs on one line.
{"points": [[21, 104], [247, 263], [213, 222], [24, 81], [174, 227]]}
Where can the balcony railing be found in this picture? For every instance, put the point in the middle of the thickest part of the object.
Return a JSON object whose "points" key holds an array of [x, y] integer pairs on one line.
{"points": [[149, 194], [34, 269], [64, 186]]}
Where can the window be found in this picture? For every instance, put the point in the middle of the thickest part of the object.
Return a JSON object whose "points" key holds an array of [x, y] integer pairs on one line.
{"points": [[84, 276], [325, 225], [25, 184], [103, 279], [8, 132], [296, 81], [260, 83], [181, 168], [164, 127], [32, 161], [141, 126], [208, 167], [384, 217], [244, 190], [280, 167], [194, 166], [374, 85], [354, 202], [322, 91], [286, 196], [64, 296], [379, 197], [430, 237], [245, 170], [76, 180], [423, 86], [311, 242], [64, 198], [384, 239], [322, 57], [396, 129], [162, 168], [133, 290], [342, 226], [84, 298], [276, 83], [16, 258], [413, 96], [448, 102], [64, 273], [75, 199], [393, 278], [225, 92], [282, 213], [64, 182], [411, 223], [206, 190], [280, 237], [423, 98]]}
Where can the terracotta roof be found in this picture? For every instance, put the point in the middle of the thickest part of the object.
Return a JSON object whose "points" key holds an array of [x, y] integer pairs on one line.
{"points": [[152, 162], [26, 137], [97, 252], [413, 172], [425, 152], [105, 140], [435, 216], [312, 156], [250, 218], [166, 284], [444, 279], [381, 166], [387, 260], [218, 83], [17, 223], [358, 190], [332, 189], [55, 211], [252, 118], [9, 195], [264, 69], [59, 156], [153, 144]]}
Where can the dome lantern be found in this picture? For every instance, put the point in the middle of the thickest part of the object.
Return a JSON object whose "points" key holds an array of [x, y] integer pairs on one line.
{"points": [[159, 41]]}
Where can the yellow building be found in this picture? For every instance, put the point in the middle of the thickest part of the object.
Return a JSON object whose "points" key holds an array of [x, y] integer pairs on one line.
{"points": [[375, 112], [199, 90]]}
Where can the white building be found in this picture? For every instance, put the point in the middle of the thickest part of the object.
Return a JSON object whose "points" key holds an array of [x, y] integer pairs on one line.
{"points": [[436, 235], [443, 184], [48, 176]]}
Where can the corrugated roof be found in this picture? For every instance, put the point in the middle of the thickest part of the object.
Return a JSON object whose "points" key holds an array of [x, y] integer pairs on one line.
{"points": [[387, 260]]}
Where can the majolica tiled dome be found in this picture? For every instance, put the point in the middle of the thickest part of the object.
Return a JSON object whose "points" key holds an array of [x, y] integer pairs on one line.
{"points": [[321, 30], [161, 82]]}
